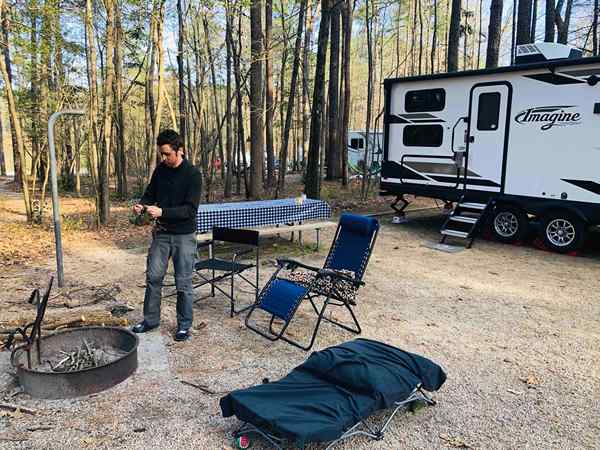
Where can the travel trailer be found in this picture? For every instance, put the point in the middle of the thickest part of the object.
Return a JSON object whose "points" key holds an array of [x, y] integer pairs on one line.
{"points": [[357, 140], [509, 145]]}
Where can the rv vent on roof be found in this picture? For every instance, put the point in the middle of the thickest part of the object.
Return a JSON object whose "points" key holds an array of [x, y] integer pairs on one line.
{"points": [[545, 51]]}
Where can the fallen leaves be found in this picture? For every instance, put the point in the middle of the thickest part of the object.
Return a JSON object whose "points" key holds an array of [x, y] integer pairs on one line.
{"points": [[532, 380], [455, 441]]}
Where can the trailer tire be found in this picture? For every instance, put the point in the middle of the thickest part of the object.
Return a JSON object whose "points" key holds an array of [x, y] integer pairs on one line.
{"points": [[563, 232], [509, 223]]}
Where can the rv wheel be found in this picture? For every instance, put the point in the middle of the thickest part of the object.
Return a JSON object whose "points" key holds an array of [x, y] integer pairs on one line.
{"points": [[563, 232], [509, 223]]}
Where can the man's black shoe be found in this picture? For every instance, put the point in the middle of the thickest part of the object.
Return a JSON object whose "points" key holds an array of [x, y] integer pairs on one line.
{"points": [[142, 327], [182, 335]]}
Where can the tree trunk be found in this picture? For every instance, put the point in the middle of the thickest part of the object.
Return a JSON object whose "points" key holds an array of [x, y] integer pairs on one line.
{"points": [[269, 103], [108, 98], [513, 47], [454, 36], [333, 145], [305, 82], [4, 24], [35, 85], [524, 22], [347, 31], [217, 110], [257, 140], [534, 21], [283, 158], [369, 27], [158, 45], [479, 33], [121, 156], [595, 28], [494, 34], [13, 113], [181, 74], [550, 11], [562, 24], [313, 179], [240, 106], [2, 159], [434, 48], [420, 36], [92, 135], [228, 129]]}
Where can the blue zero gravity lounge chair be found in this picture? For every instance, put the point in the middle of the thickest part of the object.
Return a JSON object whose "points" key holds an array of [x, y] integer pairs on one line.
{"points": [[337, 282], [328, 397]]}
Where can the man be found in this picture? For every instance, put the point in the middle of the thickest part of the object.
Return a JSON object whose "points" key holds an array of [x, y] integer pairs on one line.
{"points": [[172, 198]]}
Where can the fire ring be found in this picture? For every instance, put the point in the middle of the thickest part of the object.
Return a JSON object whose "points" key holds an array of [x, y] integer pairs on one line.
{"points": [[41, 383]]}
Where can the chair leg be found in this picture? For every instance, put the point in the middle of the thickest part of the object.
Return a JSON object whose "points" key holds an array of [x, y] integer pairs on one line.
{"points": [[356, 330]]}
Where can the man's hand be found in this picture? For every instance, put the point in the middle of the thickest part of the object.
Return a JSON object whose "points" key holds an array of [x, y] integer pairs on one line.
{"points": [[154, 211], [138, 208]]}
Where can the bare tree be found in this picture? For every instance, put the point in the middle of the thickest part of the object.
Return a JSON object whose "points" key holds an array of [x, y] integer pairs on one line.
{"points": [[4, 25], [269, 103], [228, 127], [14, 114], [524, 22], [595, 28], [257, 126], [121, 154], [181, 70], [562, 23], [550, 21], [313, 178], [454, 36], [434, 49], [346, 81], [108, 99], [369, 27], [494, 34], [333, 144], [283, 160], [533, 21]]}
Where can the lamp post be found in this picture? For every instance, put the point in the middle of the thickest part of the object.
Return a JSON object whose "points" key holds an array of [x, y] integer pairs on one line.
{"points": [[54, 183]]}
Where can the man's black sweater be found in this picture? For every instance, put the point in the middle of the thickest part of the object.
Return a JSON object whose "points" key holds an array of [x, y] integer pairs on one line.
{"points": [[177, 192]]}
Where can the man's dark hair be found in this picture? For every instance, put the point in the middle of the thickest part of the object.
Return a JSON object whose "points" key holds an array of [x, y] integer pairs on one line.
{"points": [[170, 137]]}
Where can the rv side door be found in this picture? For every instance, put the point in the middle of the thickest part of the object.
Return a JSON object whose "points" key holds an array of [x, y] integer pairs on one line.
{"points": [[486, 137]]}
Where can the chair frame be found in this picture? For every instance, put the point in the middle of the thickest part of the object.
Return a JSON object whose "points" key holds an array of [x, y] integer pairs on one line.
{"points": [[237, 236], [331, 298], [375, 433]]}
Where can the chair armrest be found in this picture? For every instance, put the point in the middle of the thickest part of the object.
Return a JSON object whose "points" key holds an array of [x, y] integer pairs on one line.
{"points": [[292, 264], [241, 252], [341, 276]]}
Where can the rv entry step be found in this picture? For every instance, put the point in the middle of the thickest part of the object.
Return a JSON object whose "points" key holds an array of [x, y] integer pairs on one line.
{"points": [[464, 220]]}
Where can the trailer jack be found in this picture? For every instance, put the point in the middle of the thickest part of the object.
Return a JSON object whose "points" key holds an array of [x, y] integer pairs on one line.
{"points": [[401, 215]]}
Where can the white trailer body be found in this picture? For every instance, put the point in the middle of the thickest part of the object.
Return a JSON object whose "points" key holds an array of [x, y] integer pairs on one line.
{"points": [[357, 141], [526, 135]]}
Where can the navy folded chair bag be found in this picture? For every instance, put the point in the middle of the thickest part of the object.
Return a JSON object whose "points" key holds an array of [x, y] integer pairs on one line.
{"points": [[329, 395]]}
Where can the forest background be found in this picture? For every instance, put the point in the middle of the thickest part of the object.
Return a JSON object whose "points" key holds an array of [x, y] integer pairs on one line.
{"points": [[260, 89]]}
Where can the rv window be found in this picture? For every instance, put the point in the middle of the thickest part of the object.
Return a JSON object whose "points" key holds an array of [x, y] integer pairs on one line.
{"points": [[425, 100], [357, 143], [488, 111], [423, 135]]}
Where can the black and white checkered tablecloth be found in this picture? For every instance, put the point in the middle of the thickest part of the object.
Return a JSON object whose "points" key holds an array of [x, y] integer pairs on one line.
{"points": [[260, 213]]}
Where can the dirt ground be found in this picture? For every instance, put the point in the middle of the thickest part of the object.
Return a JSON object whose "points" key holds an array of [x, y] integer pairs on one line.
{"points": [[516, 329]]}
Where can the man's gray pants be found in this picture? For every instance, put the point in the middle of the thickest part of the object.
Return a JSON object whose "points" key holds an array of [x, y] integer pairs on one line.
{"points": [[182, 249]]}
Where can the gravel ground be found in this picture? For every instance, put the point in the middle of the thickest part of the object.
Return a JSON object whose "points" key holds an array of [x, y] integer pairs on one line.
{"points": [[516, 329]]}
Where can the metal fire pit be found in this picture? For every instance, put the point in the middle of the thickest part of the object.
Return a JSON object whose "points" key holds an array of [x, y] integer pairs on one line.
{"points": [[30, 358], [55, 385]]}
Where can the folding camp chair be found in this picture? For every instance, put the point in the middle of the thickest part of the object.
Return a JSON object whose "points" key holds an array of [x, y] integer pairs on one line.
{"points": [[337, 282], [213, 270]]}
